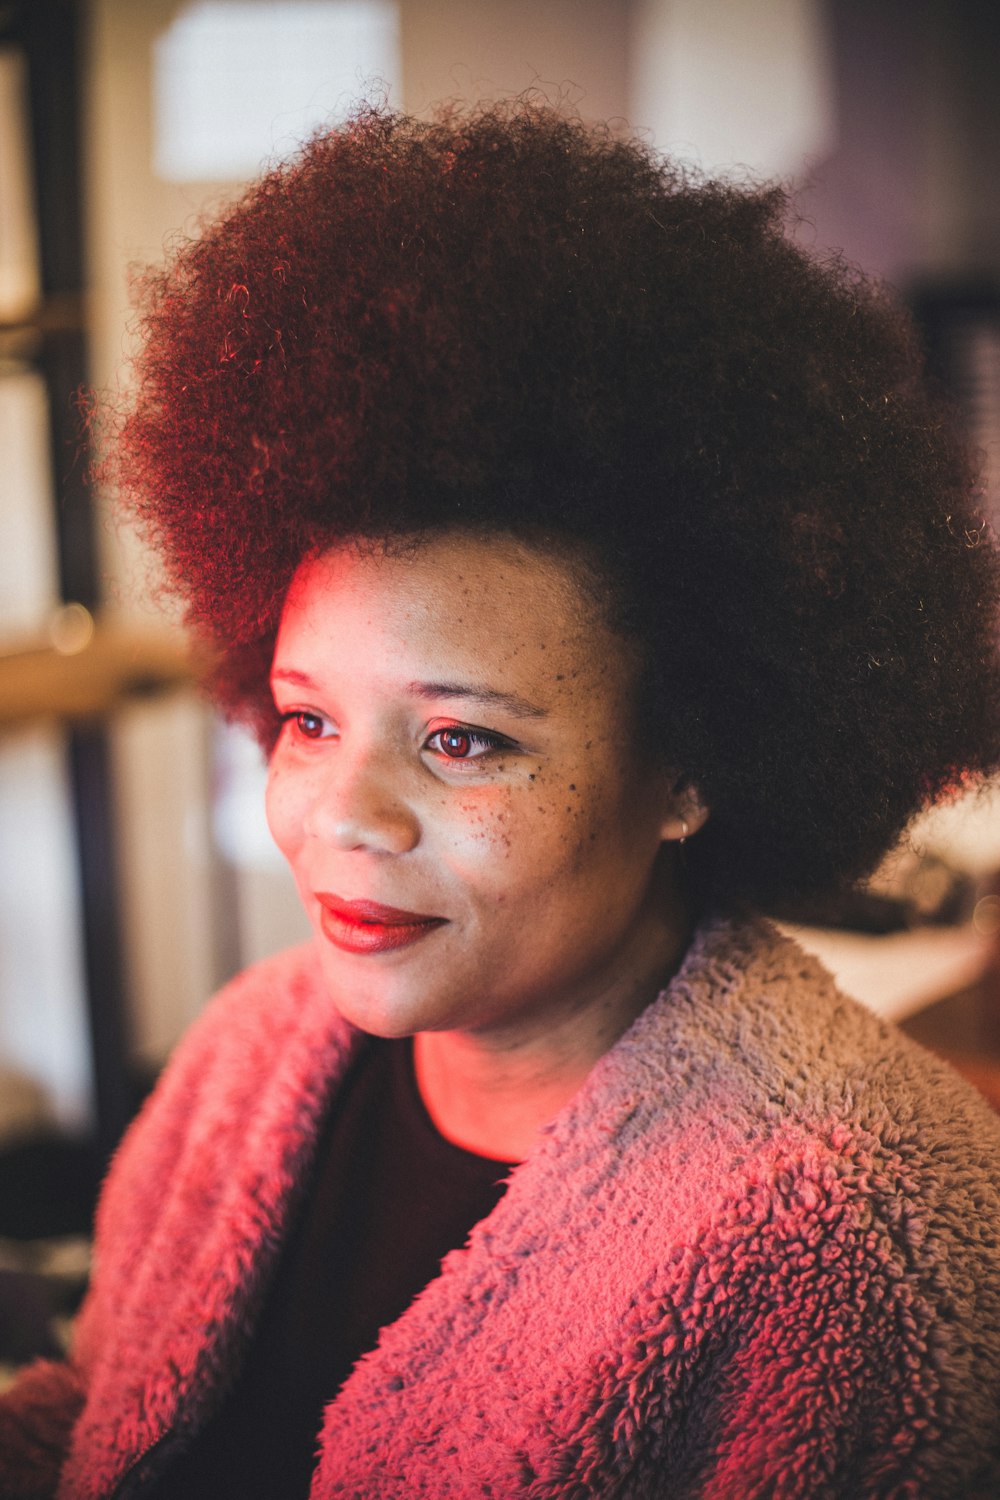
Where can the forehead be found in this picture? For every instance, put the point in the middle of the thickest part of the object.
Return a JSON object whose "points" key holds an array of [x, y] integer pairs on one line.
{"points": [[478, 587], [463, 566], [491, 605]]}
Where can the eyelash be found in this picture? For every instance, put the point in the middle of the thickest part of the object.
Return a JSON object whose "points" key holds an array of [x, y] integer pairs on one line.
{"points": [[295, 716], [483, 739], [477, 737]]}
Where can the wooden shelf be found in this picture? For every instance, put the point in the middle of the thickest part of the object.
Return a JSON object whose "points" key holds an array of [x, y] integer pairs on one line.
{"points": [[60, 312], [89, 677]]}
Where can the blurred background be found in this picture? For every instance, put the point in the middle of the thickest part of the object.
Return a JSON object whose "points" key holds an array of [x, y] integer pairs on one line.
{"points": [[136, 872]]}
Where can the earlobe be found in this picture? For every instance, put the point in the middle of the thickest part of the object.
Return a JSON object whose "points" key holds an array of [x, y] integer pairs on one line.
{"points": [[686, 817]]}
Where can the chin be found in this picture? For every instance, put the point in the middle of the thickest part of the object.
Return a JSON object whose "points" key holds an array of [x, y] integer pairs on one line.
{"points": [[376, 1011]]}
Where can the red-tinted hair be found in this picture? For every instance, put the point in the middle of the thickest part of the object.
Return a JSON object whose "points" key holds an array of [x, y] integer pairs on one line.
{"points": [[509, 321]]}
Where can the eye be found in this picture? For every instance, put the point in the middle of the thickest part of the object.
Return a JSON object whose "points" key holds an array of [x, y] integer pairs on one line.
{"points": [[456, 742], [307, 724]]}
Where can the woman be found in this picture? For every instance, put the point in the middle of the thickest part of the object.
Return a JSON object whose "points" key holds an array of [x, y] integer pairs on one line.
{"points": [[597, 574]]}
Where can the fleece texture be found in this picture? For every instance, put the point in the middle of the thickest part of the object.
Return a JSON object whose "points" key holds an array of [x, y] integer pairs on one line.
{"points": [[757, 1254]]}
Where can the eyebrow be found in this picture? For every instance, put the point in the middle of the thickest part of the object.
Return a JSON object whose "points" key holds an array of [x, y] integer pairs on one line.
{"points": [[512, 703]]}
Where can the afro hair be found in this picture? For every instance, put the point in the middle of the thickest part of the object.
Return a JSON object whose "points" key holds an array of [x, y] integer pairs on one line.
{"points": [[509, 321]]}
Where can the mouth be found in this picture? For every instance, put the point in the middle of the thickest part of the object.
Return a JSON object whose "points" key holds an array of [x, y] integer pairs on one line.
{"points": [[370, 927]]}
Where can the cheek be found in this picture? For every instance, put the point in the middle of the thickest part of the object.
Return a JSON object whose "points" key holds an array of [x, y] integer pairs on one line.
{"points": [[523, 841], [593, 837], [599, 825], [283, 810], [478, 834]]}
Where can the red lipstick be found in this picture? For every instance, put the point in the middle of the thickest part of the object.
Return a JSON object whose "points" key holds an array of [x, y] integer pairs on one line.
{"points": [[370, 927]]}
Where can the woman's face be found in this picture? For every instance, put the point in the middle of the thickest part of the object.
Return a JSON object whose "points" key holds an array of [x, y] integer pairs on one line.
{"points": [[475, 832]]}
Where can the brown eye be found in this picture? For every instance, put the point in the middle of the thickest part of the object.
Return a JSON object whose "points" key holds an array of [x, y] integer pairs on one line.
{"points": [[455, 743], [310, 726], [468, 746]]}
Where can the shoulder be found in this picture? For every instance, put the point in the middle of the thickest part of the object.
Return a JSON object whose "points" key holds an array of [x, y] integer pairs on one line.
{"points": [[275, 1017], [750, 1053], [240, 1036], [763, 1019], [755, 1109], [754, 1043], [784, 1190], [247, 1083], [833, 1205]]}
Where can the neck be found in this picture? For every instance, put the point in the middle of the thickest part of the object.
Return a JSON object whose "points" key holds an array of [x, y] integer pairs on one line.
{"points": [[492, 1091]]}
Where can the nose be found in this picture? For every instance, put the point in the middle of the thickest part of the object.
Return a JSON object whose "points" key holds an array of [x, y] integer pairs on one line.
{"points": [[358, 804]]}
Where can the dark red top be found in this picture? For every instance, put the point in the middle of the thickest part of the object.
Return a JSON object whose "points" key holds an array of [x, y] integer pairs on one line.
{"points": [[389, 1197]]}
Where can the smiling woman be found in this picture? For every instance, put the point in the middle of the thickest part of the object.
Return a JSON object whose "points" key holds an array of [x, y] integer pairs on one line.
{"points": [[537, 908], [597, 574]]}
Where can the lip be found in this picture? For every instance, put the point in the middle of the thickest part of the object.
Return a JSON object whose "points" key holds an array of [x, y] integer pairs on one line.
{"points": [[371, 927]]}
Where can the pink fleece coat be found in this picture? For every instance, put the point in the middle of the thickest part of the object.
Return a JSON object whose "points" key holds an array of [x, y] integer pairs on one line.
{"points": [[758, 1254]]}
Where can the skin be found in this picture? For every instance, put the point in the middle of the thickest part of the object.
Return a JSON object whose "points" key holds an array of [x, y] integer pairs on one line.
{"points": [[551, 855]]}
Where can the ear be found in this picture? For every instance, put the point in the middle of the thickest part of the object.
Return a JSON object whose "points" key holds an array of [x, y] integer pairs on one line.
{"points": [[686, 814]]}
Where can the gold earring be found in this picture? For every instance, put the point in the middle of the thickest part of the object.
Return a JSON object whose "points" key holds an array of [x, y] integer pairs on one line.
{"points": [[684, 834]]}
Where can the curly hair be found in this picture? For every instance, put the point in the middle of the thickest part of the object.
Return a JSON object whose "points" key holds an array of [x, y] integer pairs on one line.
{"points": [[510, 321]]}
